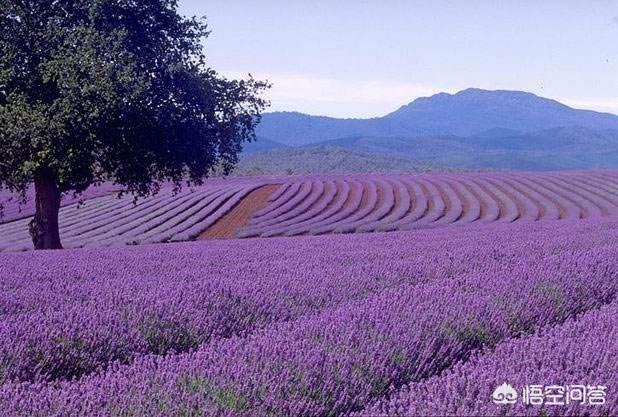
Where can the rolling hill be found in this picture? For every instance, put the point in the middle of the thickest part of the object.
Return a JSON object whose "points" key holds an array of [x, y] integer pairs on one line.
{"points": [[322, 204], [473, 129], [325, 158], [345, 325], [467, 113], [552, 149], [475, 268]]}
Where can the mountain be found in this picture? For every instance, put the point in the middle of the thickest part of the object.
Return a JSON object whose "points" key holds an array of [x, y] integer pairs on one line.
{"points": [[297, 129], [262, 145], [473, 111], [551, 149], [467, 113], [472, 129]]}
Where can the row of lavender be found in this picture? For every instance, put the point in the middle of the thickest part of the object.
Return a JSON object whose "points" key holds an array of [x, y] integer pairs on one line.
{"points": [[570, 369], [316, 205], [13, 208], [76, 308], [278, 332], [110, 220]]}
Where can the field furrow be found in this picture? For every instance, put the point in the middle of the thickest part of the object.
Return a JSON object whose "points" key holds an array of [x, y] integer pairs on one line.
{"points": [[322, 204]]}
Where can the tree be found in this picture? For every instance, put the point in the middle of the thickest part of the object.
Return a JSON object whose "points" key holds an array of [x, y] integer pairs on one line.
{"points": [[112, 90]]}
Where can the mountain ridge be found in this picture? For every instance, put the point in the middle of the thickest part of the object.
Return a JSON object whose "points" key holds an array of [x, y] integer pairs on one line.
{"points": [[471, 129], [465, 113]]}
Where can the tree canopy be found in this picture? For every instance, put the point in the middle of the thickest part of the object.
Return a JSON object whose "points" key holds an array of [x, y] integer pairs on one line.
{"points": [[100, 90]]}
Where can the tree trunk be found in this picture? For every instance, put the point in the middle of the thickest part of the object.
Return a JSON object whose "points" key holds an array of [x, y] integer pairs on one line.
{"points": [[44, 227]]}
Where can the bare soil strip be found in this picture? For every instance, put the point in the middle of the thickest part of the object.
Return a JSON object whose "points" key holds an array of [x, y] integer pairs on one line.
{"points": [[465, 204], [365, 196], [550, 196], [228, 225], [351, 195], [483, 204], [448, 204], [430, 202], [499, 202], [397, 198], [517, 186]]}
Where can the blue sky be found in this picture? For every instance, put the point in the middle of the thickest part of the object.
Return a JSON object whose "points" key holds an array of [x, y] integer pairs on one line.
{"points": [[360, 58]]}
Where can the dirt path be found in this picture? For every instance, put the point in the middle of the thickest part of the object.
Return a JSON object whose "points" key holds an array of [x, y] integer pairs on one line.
{"points": [[227, 226]]}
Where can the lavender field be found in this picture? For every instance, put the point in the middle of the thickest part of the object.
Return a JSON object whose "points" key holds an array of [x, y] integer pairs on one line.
{"points": [[105, 218], [319, 204], [355, 203], [308, 209], [422, 322]]}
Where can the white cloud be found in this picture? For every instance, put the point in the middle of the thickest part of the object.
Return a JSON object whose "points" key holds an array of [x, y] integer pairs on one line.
{"points": [[338, 97], [608, 105], [366, 98]]}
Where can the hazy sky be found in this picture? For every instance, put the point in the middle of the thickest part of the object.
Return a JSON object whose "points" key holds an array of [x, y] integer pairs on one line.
{"points": [[354, 58]]}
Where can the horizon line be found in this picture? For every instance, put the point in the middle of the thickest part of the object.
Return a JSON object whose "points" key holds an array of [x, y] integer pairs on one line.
{"points": [[573, 104]]}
